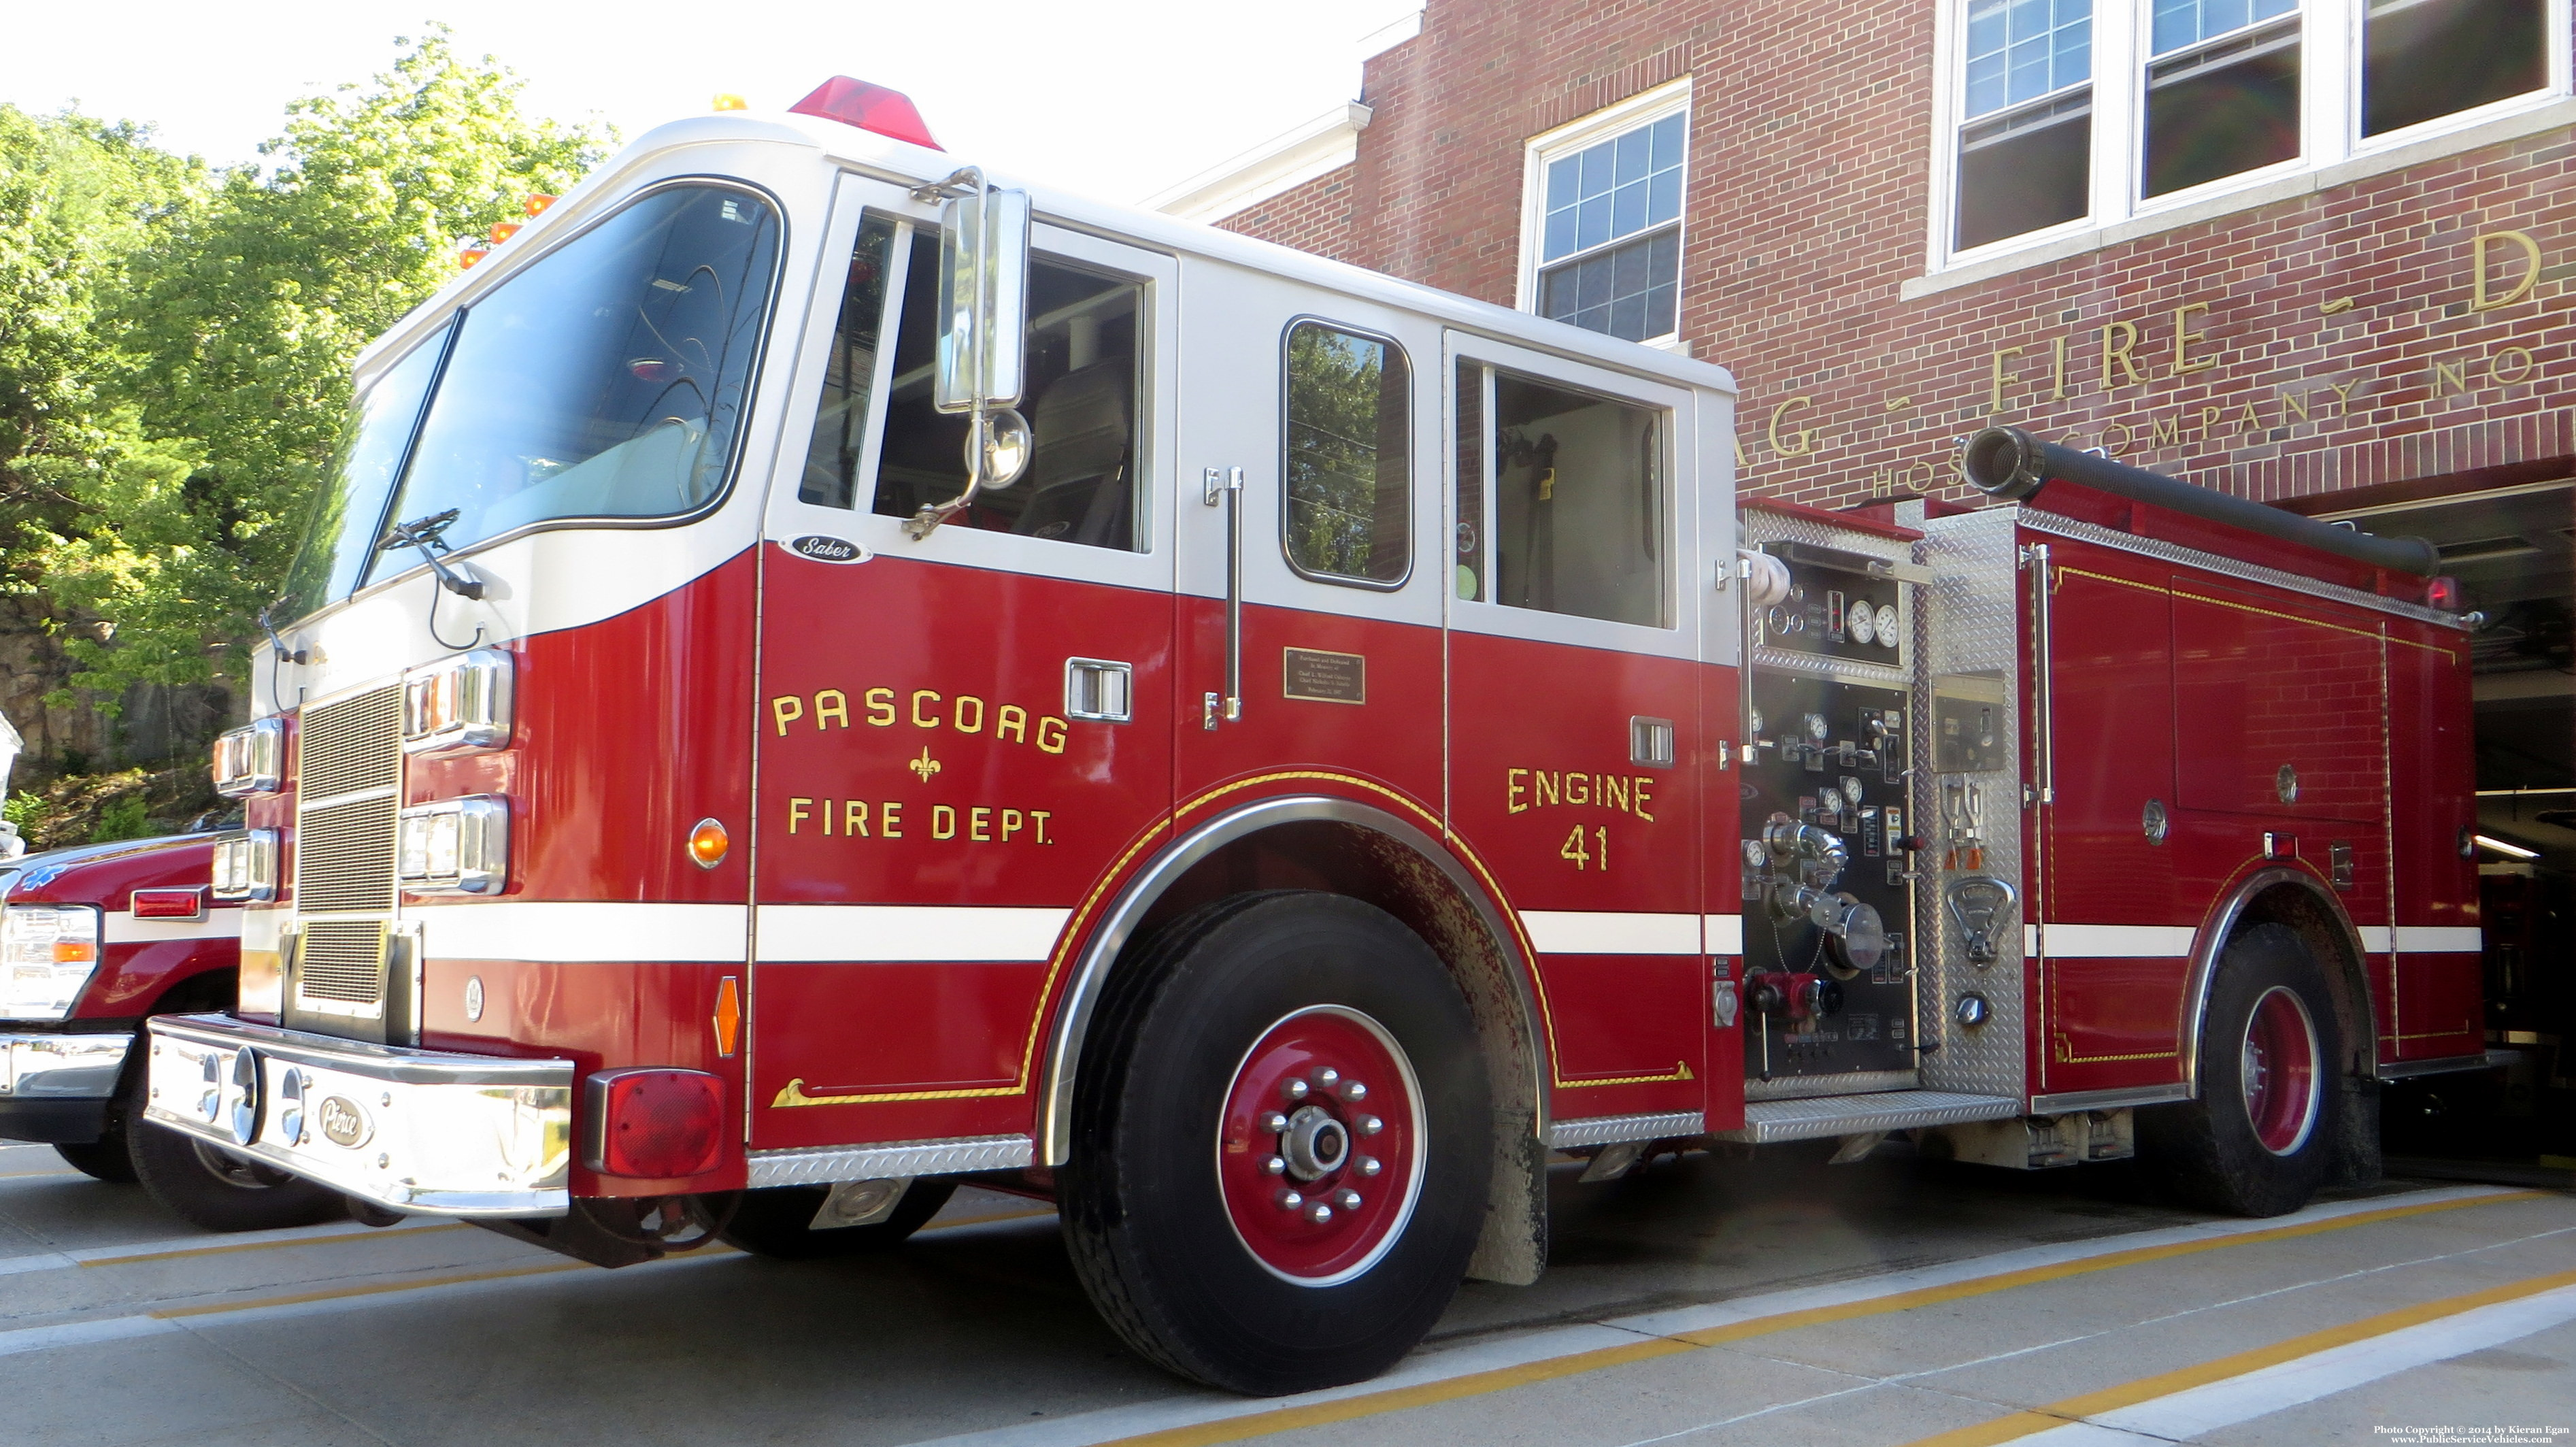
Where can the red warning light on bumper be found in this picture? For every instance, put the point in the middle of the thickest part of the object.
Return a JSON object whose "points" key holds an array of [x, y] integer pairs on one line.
{"points": [[653, 1124]]}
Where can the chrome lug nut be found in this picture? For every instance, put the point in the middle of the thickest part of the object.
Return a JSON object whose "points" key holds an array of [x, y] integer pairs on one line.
{"points": [[1328, 1077], [1354, 1092], [1368, 1166], [1319, 1213], [1347, 1200], [1295, 1088], [1273, 1122], [1369, 1125], [1290, 1200]]}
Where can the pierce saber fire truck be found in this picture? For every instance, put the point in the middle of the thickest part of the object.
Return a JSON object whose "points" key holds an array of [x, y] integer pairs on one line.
{"points": [[819, 676]]}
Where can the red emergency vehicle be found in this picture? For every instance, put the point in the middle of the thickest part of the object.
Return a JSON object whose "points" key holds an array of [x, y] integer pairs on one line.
{"points": [[93, 939], [820, 676]]}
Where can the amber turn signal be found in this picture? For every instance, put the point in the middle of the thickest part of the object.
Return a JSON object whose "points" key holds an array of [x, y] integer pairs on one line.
{"points": [[708, 843]]}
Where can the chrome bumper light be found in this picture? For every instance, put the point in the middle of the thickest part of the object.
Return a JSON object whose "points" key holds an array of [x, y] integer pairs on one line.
{"points": [[458, 705], [423, 1131], [455, 846], [246, 866], [62, 1067], [251, 760]]}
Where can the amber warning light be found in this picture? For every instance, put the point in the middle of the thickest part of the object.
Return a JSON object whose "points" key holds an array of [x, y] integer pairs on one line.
{"points": [[708, 843]]}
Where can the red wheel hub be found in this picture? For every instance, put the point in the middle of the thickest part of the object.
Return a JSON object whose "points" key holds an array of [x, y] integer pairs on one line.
{"points": [[2281, 1077], [1319, 1150]]}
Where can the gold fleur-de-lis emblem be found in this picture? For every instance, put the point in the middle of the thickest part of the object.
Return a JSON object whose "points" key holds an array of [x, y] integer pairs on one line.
{"points": [[925, 766]]}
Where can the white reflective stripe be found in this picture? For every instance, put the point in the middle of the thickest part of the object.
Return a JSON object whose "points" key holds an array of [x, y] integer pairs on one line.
{"points": [[1606, 932], [122, 928], [2114, 941], [1721, 934], [2376, 939], [562, 932], [2427, 939], [904, 932], [2029, 939]]}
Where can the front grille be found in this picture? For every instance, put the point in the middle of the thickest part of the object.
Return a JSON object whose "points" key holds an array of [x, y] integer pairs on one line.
{"points": [[341, 959], [351, 744], [344, 857]]}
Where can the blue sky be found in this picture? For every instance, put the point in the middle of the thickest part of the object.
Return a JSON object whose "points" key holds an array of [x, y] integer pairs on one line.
{"points": [[1114, 99]]}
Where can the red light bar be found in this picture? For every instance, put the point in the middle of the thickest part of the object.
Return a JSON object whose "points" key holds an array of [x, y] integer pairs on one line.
{"points": [[169, 904], [887, 113]]}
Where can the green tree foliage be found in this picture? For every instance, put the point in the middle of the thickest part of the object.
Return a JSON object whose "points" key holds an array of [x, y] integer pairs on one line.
{"points": [[248, 300]]}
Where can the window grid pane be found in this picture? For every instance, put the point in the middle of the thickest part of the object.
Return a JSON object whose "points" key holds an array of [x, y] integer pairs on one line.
{"points": [[2188, 22], [1627, 291], [1613, 189], [2020, 50]]}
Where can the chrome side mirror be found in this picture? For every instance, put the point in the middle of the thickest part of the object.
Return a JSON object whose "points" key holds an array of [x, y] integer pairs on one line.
{"points": [[998, 448], [983, 300]]}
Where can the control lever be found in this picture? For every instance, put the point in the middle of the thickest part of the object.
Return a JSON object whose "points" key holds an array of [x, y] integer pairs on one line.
{"points": [[1982, 905]]}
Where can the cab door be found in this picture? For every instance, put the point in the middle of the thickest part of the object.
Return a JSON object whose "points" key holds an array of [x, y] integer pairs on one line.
{"points": [[1574, 706], [1317, 404], [957, 733]]}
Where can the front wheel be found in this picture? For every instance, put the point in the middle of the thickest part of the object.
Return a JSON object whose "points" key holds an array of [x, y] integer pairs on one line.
{"points": [[213, 1188], [1282, 1150], [2260, 1139]]}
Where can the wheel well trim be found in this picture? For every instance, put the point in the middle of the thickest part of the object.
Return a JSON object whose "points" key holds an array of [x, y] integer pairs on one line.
{"points": [[2202, 976], [1118, 925]]}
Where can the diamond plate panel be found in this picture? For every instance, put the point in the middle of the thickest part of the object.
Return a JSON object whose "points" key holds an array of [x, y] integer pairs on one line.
{"points": [[1602, 1130], [833, 1165], [1761, 527], [1766, 1121], [1971, 623]]}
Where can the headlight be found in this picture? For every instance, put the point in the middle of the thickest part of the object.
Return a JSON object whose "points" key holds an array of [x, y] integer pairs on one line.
{"points": [[458, 704], [457, 846], [251, 760], [246, 867], [47, 952]]}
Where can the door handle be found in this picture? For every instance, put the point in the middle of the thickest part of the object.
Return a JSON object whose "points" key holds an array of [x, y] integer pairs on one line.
{"points": [[1224, 486]]}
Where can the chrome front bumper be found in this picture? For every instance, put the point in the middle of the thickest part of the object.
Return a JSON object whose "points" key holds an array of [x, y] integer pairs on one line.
{"points": [[422, 1131], [62, 1067]]}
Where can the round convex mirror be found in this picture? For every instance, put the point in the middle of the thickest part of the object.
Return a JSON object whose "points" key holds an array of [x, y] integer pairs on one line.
{"points": [[1006, 444]]}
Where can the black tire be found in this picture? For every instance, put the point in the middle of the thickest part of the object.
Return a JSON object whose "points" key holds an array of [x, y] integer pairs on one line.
{"points": [[777, 1222], [1146, 1216], [105, 1159], [212, 1188], [109, 1157], [2213, 1151]]}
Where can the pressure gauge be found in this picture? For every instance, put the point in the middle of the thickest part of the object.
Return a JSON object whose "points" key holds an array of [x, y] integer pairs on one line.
{"points": [[1887, 625], [1851, 787], [1862, 623], [1817, 728], [1755, 856], [1753, 721], [1778, 618]]}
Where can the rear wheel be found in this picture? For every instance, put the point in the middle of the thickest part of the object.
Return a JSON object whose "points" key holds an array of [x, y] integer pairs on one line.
{"points": [[778, 1222], [2260, 1139], [1283, 1148], [106, 1159]]}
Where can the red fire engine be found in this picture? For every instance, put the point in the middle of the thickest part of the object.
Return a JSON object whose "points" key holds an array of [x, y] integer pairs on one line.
{"points": [[731, 771]]}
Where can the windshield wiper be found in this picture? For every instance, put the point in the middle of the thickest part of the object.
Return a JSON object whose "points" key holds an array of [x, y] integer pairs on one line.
{"points": [[423, 533]]}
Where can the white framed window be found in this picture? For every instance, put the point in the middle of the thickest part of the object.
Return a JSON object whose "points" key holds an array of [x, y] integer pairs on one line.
{"points": [[2056, 116], [1601, 224]]}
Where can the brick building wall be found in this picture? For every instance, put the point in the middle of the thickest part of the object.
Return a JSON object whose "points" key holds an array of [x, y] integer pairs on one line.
{"points": [[2328, 340]]}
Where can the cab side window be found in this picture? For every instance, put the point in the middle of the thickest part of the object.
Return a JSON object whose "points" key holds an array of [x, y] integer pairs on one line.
{"points": [[1083, 379], [1569, 487], [1346, 476], [841, 423]]}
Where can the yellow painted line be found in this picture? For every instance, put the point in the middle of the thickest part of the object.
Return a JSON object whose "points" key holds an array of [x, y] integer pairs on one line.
{"points": [[379, 1288], [337, 1238], [1473, 1384], [2166, 1384], [23, 1175]]}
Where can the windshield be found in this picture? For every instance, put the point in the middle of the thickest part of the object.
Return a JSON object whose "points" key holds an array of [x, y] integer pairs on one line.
{"points": [[341, 536], [607, 380]]}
